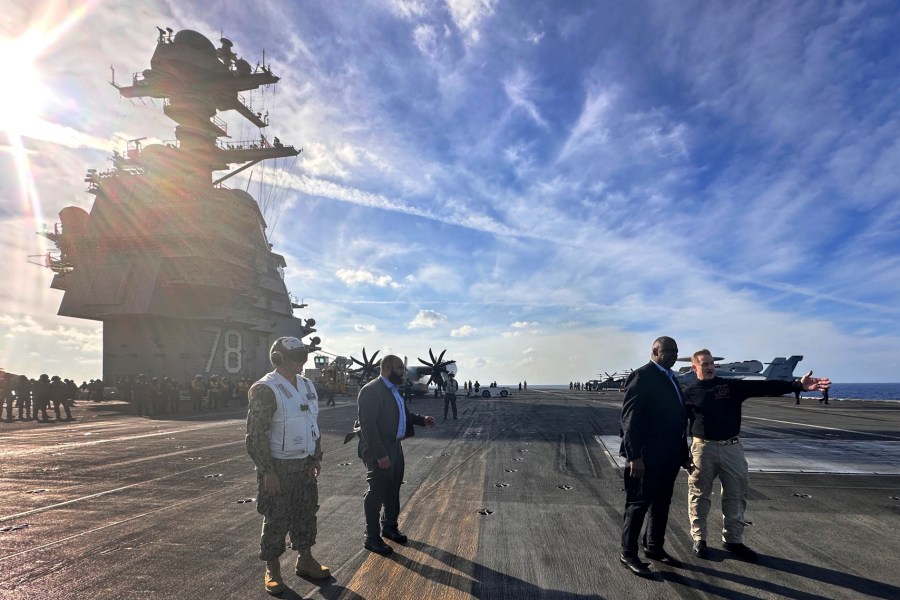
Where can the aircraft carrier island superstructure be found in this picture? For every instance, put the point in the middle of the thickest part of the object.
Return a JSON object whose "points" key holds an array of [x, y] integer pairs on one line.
{"points": [[177, 266]]}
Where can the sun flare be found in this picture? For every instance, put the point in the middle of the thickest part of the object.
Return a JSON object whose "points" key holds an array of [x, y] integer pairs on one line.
{"points": [[22, 103]]}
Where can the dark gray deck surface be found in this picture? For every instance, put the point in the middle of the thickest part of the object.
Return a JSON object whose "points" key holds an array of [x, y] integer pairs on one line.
{"points": [[115, 506]]}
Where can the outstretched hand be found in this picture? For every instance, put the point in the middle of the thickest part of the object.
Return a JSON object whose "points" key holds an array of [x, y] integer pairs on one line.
{"points": [[429, 421], [811, 384]]}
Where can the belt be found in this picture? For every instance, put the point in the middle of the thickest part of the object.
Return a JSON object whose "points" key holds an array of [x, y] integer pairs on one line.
{"points": [[733, 440]]}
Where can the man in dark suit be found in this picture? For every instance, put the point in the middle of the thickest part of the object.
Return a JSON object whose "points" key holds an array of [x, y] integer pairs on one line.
{"points": [[384, 420], [654, 444]]}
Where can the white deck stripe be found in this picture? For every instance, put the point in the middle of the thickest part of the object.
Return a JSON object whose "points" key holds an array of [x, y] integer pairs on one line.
{"points": [[804, 455]]}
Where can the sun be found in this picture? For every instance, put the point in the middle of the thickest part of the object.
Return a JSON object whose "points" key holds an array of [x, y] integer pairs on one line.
{"points": [[23, 101]]}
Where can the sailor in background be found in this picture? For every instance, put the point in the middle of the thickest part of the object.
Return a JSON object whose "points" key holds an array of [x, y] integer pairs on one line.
{"points": [[198, 389], [450, 394], [284, 441], [59, 393], [714, 410], [23, 397], [40, 392]]}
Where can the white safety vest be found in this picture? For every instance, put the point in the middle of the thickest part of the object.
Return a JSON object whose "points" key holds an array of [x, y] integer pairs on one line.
{"points": [[294, 428]]}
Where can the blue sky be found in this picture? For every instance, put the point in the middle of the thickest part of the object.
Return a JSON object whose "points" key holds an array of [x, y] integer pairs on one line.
{"points": [[541, 188]]}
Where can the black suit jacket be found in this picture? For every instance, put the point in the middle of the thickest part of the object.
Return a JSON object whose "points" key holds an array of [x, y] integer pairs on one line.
{"points": [[379, 417], [653, 418]]}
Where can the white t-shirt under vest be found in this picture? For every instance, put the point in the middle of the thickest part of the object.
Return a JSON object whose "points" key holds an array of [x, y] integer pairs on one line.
{"points": [[294, 428]]}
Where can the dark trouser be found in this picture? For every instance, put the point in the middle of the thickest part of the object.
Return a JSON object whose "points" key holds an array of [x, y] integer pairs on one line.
{"points": [[449, 400], [23, 403], [65, 405], [41, 405], [653, 493], [384, 491], [196, 401]]}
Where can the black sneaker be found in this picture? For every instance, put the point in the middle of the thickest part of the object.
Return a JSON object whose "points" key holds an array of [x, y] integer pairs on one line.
{"points": [[741, 551]]}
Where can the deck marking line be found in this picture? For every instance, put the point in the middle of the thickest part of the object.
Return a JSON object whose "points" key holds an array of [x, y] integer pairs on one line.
{"points": [[890, 437], [112, 491]]}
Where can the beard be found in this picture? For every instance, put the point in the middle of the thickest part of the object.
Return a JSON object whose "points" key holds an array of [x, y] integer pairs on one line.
{"points": [[395, 379]]}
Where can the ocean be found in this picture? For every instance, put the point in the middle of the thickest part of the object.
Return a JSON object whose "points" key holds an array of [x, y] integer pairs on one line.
{"points": [[839, 391]]}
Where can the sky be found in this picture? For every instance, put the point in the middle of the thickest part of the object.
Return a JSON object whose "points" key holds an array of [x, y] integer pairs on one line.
{"points": [[540, 188]]}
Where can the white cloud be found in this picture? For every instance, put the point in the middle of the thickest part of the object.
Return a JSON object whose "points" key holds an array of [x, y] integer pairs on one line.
{"points": [[362, 276], [464, 331], [426, 319], [425, 38], [469, 14], [534, 37], [408, 9], [480, 362], [529, 350], [438, 277], [592, 128], [524, 324], [519, 88], [364, 328], [70, 337]]}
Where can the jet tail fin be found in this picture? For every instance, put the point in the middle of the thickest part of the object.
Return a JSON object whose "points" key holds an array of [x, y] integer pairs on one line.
{"points": [[782, 368]]}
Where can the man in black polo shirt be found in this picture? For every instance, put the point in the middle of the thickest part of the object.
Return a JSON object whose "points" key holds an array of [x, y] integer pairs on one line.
{"points": [[713, 405]]}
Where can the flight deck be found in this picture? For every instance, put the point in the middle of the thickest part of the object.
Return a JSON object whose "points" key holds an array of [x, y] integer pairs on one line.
{"points": [[520, 498]]}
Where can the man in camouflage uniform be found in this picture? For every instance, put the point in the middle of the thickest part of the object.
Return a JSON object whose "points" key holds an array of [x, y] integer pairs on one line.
{"points": [[6, 393], [284, 441], [40, 391], [59, 393], [23, 397], [198, 389], [330, 388], [243, 390]]}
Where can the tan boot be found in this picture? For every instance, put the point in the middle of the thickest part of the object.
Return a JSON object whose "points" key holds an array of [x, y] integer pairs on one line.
{"points": [[274, 580], [307, 566]]}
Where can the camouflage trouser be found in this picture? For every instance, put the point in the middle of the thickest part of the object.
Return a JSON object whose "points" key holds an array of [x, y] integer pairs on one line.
{"points": [[291, 511]]}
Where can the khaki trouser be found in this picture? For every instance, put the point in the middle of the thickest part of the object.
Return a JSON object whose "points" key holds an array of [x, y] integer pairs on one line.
{"points": [[725, 461]]}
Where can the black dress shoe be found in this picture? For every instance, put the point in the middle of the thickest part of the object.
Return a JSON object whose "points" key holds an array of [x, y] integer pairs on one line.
{"points": [[378, 546], [635, 566], [741, 551], [663, 557], [700, 549], [395, 535]]}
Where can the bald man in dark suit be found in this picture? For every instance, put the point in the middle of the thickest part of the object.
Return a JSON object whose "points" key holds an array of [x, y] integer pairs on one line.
{"points": [[654, 424], [385, 420]]}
